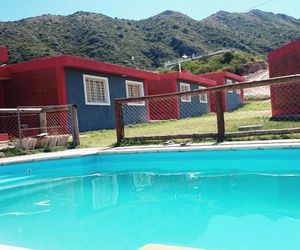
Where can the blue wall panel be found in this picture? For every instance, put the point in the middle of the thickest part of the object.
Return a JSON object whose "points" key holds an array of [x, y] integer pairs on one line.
{"points": [[95, 117], [193, 108], [134, 114], [233, 101]]}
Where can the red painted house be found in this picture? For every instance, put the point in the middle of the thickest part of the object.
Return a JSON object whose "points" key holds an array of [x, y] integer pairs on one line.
{"points": [[176, 108], [232, 100], [92, 85], [282, 62]]}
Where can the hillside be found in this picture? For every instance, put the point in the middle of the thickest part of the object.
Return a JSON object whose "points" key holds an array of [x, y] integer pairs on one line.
{"points": [[241, 63], [150, 41]]}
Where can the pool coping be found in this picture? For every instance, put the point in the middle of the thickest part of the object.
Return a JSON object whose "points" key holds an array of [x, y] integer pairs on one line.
{"points": [[244, 145]]}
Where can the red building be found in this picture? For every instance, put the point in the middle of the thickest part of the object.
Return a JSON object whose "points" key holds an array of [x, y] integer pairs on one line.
{"points": [[282, 62], [60, 80], [64, 80], [176, 108], [94, 86], [232, 99]]}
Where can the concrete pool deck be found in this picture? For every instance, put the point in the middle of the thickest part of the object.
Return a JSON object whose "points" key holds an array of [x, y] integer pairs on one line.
{"points": [[154, 148]]}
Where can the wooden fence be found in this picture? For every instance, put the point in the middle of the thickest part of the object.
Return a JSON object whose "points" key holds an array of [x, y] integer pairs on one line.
{"points": [[217, 91]]}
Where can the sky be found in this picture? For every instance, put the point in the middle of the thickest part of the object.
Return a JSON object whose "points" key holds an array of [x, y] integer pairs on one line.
{"points": [[140, 9]]}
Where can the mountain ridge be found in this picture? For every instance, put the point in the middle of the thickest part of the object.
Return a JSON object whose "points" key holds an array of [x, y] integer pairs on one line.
{"points": [[151, 42]]}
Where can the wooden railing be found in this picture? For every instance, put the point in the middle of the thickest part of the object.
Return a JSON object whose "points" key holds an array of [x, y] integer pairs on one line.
{"points": [[220, 134]]}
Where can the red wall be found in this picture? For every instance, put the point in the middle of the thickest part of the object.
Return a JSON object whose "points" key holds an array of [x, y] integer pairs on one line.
{"points": [[285, 61], [219, 78], [163, 109], [32, 88], [161, 87]]}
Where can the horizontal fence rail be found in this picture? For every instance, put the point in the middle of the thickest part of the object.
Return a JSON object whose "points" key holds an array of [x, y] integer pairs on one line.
{"points": [[220, 112]]}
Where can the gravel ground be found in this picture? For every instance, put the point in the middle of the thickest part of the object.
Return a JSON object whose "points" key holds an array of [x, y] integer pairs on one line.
{"points": [[259, 91]]}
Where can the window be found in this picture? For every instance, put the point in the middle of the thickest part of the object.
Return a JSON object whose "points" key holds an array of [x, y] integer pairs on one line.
{"points": [[203, 97], [238, 91], [183, 88], [96, 90], [135, 89], [228, 82]]}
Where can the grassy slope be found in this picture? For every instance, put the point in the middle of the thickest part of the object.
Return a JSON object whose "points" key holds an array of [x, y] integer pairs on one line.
{"points": [[235, 62], [251, 114]]}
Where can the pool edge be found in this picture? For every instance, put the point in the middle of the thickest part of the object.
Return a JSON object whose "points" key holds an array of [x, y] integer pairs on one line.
{"points": [[243, 145]]}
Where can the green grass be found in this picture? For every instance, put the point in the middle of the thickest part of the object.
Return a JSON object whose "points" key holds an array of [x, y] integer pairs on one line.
{"points": [[252, 113], [19, 151]]}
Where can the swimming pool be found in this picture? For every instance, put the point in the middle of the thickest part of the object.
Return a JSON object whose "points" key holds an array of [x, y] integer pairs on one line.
{"points": [[239, 199]]}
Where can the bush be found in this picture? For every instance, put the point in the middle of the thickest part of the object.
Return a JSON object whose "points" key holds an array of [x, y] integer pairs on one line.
{"points": [[230, 61]]}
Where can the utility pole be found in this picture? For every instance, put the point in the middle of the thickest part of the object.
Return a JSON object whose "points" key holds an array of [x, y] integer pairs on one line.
{"points": [[184, 57]]}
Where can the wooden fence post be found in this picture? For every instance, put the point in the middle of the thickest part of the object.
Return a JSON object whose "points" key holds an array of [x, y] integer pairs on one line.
{"points": [[220, 116], [75, 126], [119, 122], [43, 122], [19, 127]]}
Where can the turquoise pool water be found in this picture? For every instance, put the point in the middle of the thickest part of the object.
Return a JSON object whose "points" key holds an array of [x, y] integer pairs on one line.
{"points": [[237, 200]]}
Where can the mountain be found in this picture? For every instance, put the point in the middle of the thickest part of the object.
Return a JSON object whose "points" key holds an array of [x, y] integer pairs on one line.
{"points": [[151, 41]]}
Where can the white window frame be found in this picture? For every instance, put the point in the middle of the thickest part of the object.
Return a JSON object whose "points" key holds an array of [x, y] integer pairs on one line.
{"points": [[142, 103], [206, 96], [227, 83], [237, 91], [188, 98], [107, 94]]}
